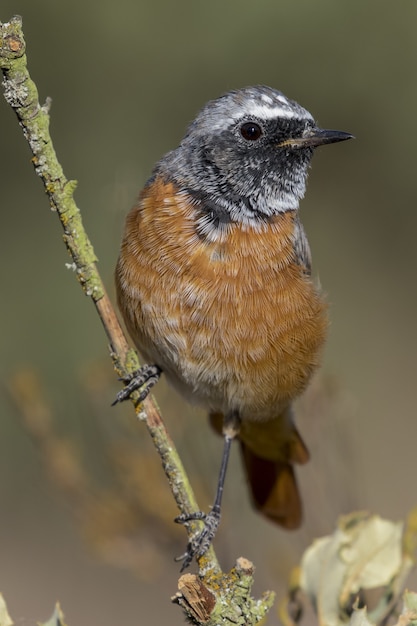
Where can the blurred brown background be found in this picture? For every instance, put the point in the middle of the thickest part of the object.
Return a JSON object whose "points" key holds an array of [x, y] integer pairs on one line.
{"points": [[125, 79]]}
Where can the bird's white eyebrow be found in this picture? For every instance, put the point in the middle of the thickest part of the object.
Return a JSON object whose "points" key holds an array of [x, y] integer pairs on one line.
{"points": [[264, 111], [282, 99]]}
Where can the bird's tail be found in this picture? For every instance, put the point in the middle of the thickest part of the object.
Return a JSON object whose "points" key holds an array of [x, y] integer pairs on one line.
{"points": [[269, 451]]}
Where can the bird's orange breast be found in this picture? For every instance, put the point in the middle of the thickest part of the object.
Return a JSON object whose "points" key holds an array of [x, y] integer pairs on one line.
{"points": [[234, 321]]}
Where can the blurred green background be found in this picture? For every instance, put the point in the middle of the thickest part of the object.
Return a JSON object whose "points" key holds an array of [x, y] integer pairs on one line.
{"points": [[125, 79]]}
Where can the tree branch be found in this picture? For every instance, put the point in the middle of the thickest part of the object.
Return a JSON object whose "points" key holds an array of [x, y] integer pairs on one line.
{"points": [[21, 94]]}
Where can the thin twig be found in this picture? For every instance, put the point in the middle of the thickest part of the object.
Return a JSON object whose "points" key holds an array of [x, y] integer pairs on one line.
{"points": [[22, 95], [232, 599]]}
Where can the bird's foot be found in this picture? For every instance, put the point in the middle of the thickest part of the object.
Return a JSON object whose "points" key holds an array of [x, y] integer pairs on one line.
{"points": [[147, 376], [200, 543]]}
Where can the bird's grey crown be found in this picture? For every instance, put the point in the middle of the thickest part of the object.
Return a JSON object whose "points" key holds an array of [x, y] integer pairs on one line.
{"points": [[248, 182], [259, 102]]}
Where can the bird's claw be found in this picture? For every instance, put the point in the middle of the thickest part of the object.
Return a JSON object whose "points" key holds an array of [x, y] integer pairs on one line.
{"points": [[147, 376], [200, 543]]}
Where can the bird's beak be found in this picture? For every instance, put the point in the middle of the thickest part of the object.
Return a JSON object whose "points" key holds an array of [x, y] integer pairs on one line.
{"points": [[316, 137]]}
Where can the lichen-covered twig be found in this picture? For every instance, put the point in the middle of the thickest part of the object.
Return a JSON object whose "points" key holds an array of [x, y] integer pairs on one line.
{"points": [[22, 95]]}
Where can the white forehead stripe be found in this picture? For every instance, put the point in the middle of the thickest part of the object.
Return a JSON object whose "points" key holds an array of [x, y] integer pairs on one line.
{"points": [[258, 103], [267, 99], [282, 99], [263, 111]]}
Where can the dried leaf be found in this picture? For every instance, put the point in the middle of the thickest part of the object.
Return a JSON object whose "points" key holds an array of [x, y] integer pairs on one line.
{"points": [[359, 617], [409, 613], [373, 554], [56, 619], [5, 619], [364, 552]]}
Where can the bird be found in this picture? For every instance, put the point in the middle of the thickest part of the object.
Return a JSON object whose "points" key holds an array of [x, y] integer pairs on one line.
{"points": [[214, 284]]}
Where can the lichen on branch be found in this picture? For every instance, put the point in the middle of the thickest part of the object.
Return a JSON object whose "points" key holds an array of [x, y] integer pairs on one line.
{"points": [[22, 95]]}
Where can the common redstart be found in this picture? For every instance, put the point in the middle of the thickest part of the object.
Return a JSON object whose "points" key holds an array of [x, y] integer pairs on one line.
{"points": [[214, 285]]}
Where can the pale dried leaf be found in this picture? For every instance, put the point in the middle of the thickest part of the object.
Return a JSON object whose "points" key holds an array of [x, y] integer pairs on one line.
{"points": [[5, 619], [322, 575], [363, 553], [409, 613], [373, 555], [359, 617], [410, 601], [57, 618]]}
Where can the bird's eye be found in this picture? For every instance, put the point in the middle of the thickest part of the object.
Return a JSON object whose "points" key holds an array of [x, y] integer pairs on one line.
{"points": [[250, 131]]}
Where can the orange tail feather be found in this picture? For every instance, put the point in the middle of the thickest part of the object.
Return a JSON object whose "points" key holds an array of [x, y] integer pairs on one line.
{"points": [[269, 450], [274, 489]]}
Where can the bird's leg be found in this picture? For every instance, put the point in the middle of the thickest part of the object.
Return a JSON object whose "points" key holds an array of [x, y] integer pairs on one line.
{"points": [[200, 543], [147, 376]]}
